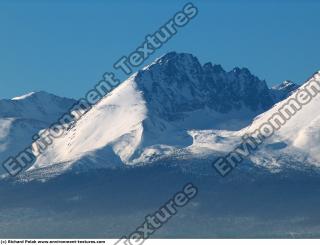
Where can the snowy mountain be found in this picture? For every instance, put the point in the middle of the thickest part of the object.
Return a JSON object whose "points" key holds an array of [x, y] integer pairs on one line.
{"points": [[22, 117], [174, 108], [170, 121]]}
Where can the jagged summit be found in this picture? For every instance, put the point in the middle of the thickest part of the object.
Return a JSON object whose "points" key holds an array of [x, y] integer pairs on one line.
{"points": [[180, 83], [186, 60]]}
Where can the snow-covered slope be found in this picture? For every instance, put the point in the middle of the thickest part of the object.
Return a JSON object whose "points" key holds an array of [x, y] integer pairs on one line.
{"points": [[22, 117], [296, 142], [175, 107], [113, 127]]}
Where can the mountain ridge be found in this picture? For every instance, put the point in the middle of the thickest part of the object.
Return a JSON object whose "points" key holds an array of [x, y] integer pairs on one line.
{"points": [[173, 108]]}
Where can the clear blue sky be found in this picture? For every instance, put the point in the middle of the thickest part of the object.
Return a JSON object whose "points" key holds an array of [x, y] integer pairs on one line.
{"points": [[63, 47]]}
